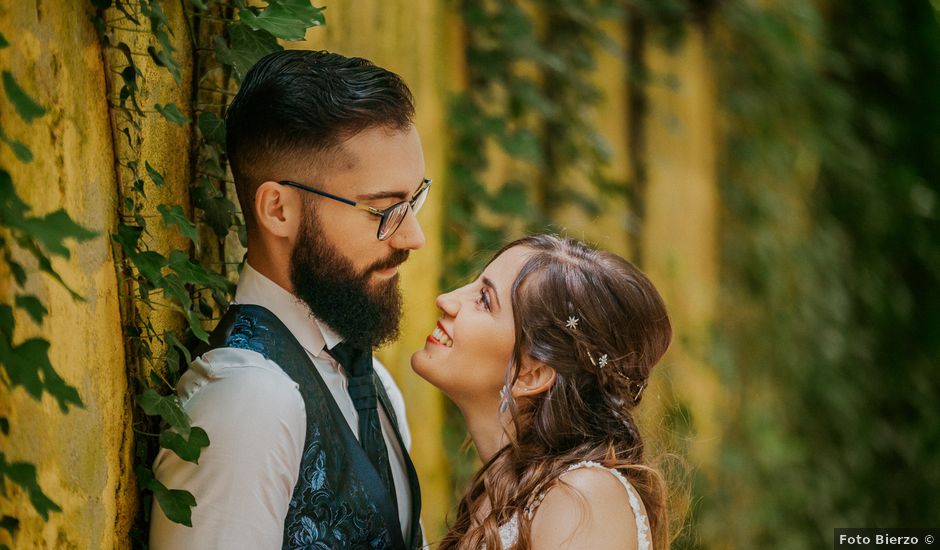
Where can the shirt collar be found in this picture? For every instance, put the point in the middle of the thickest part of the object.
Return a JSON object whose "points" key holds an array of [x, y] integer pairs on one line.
{"points": [[313, 334]]}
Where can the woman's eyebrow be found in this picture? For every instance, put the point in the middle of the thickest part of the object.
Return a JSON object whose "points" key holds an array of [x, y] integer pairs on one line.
{"points": [[489, 283]]}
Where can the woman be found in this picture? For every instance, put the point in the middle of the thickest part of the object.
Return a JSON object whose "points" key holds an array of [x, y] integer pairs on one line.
{"points": [[546, 355]]}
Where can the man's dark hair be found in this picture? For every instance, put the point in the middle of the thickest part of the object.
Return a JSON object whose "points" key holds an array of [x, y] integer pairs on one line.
{"points": [[297, 106]]}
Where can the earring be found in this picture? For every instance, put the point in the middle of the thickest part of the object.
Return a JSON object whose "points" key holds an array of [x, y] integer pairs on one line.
{"points": [[504, 398]]}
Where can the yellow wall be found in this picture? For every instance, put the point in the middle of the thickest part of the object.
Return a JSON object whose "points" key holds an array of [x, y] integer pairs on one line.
{"points": [[83, 457]]}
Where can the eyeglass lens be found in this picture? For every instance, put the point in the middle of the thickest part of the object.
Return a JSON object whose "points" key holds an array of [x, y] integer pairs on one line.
{"points": [[393, 218]]}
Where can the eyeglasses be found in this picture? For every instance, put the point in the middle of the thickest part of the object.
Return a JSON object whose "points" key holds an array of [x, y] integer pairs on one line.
{"points": [[391, 217]]}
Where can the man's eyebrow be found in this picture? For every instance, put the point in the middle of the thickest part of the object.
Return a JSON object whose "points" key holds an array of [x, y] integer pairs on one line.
{"points": [[381, 195], [388, 195], [489, 283]]}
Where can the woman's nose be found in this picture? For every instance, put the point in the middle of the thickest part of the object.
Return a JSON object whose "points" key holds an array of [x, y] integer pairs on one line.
{"points": [[448, 303]]}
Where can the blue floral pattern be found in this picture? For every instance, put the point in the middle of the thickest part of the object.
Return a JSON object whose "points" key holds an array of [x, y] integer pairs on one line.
{"points": [[330, 507]]}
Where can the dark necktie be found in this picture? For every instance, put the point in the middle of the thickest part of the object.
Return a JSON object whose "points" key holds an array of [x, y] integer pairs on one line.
{"points": [[358, 365]]}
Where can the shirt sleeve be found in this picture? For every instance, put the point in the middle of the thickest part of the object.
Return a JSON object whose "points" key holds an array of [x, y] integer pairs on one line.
{"points": [[255, 419], [398, 402]]}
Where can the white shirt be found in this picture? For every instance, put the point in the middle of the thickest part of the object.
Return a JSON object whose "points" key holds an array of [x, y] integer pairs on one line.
{"points": [[256, 422]]}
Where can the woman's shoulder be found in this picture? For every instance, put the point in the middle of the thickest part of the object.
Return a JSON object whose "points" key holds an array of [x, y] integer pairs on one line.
{"points": [[591, 507]]}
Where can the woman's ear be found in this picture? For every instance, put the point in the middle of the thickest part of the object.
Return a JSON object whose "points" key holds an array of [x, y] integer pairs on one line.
{"points": [[534, 378], [277, 209]]}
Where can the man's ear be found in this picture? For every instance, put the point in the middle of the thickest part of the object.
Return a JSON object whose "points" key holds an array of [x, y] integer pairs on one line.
{"points": [[278, 209], [534, 378]]}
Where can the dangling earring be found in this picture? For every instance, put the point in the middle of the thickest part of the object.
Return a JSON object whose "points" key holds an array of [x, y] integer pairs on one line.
{"points": [[504, 397]]}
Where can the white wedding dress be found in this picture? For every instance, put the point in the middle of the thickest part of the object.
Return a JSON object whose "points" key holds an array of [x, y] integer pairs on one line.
{"points": [[509, 531]]}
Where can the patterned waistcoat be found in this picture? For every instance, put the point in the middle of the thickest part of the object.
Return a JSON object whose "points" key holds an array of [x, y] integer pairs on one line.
{"points": [[339, 502]]}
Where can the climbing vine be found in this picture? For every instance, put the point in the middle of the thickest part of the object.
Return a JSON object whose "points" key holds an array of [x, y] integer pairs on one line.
{"points": [[531, 98], [194, 283], [25, 364]]}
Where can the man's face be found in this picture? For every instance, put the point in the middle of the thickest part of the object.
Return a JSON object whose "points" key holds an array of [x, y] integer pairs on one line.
{"points": [[338, 267]]}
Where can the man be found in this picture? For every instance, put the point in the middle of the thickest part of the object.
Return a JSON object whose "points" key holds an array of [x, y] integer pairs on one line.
{"points": [[308, 435]]}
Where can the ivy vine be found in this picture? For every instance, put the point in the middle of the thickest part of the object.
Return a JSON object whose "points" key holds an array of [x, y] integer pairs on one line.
{"points": [[226, 38], [26, 364]]}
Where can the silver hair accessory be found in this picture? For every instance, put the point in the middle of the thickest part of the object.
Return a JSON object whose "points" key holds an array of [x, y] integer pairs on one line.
{"points": [[572, 322], [637, 396], [602, 361]]}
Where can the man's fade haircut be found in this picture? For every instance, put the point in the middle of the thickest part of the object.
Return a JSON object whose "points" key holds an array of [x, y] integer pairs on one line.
{"points": [[298, 106]]}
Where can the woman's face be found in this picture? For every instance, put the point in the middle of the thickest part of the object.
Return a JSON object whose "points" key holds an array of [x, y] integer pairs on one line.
{"points": [[469, 351]]}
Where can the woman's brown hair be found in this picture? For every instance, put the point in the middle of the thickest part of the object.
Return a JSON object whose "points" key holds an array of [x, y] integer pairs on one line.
{"points": [[601, 325]]}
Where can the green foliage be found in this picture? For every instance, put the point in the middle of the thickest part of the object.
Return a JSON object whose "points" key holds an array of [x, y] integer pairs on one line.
{"points": [[23, 474], [26, 363], [180, 281], [287, 19], [25, 106], [828, 338]]}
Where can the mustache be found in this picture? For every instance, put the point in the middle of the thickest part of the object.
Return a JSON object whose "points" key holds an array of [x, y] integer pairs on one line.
{"points": [[397, 258]]}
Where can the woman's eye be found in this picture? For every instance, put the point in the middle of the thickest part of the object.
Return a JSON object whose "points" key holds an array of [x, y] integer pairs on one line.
{"points": [[484, 299]]}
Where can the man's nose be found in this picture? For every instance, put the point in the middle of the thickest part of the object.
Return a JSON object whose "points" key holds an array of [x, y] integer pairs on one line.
{"points": [[409, 235]]}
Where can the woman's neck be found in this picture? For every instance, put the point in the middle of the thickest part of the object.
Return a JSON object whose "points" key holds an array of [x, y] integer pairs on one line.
{"points": [[487, 430]]}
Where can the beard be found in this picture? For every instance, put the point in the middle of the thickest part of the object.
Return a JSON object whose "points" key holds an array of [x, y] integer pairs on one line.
{"points": [[365, 315]]}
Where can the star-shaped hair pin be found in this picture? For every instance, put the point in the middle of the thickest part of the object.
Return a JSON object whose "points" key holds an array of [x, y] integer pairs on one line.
{"points": [[602, 361], [572, 322]]}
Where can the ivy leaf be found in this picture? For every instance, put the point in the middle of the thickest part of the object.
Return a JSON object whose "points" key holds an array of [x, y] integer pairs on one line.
{"points": [[7, 324], [163, 57], [247, 46], [510, 199], [11, 525], [25, 106], [155, 176], [19, 149], [218, 210], [172, 113], [128, 236], [199, 5], [195, 273], [175, 348], [167, 407], [150, 264], [187, 449], [287, 19], [24, 475], [212, 128], [53, 229], [28, 365], [176, 216], [176, 504], [32, 306]]}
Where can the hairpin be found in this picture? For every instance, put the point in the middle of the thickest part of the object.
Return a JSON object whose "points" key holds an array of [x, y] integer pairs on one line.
{"points": [[602, 361], [637, 397], [572, 322]]}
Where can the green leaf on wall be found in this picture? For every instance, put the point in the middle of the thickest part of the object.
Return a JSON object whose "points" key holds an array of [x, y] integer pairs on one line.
{"points": [[25, 106], [174, 216], [245, 48], [24, 475], [287, 19], [172, 113]]}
